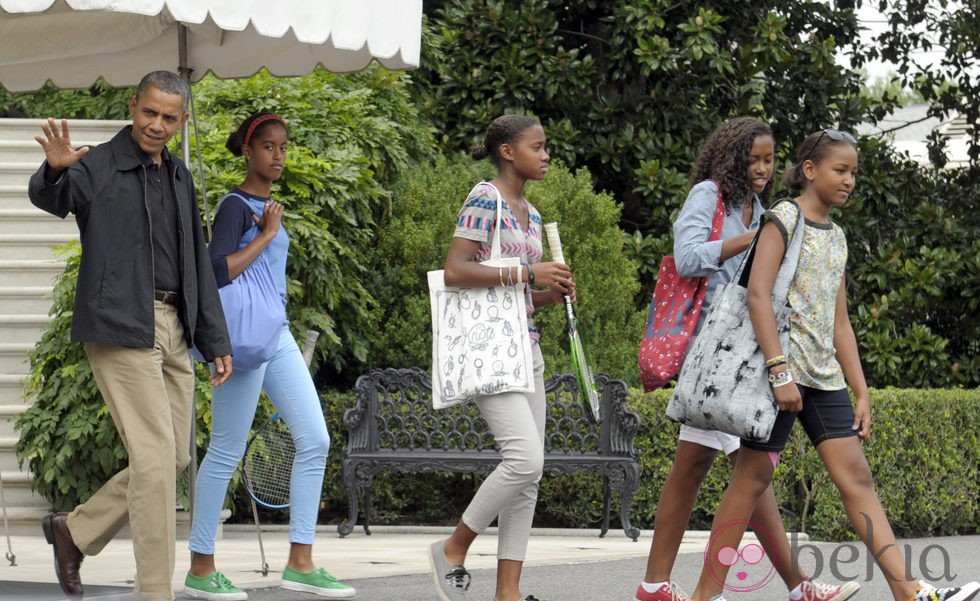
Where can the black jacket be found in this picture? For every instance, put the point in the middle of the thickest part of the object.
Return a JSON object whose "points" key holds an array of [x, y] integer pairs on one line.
{"points": [[114, 295]]}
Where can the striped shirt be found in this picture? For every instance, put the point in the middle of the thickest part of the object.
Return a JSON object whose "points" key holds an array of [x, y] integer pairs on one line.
{"points": [[476, 220]]}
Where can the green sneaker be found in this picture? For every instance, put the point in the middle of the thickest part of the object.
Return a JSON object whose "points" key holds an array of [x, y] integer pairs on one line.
{"points": [[213, 587], [318, 582]]}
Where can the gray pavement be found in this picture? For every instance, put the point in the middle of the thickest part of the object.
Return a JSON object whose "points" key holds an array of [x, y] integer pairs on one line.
{"points": [[562, 565], [617, 580]]}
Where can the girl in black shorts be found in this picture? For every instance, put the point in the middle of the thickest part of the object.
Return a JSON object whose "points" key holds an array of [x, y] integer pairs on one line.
{"points": [[810, 378]]}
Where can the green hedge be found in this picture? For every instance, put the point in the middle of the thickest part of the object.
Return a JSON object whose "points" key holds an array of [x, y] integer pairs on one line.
{"points": [[933, 432], [924, 452]]}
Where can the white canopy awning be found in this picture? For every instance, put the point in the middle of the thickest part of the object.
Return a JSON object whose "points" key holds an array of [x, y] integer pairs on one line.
{"points": [[74, 42]]}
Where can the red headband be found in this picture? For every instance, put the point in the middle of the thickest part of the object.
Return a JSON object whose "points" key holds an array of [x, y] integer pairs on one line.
{"points": [[259, 121]]}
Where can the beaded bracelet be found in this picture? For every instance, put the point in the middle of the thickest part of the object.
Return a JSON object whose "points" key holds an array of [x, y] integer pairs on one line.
{"points": [[776, 360], [781, 379]]}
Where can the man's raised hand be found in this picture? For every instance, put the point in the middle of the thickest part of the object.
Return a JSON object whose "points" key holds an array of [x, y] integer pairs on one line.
{"points": [[58, 150]]}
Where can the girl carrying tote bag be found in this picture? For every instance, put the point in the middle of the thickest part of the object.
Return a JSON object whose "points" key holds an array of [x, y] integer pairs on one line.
{"points": [[254, 311], [724, 383], [480, 340]]}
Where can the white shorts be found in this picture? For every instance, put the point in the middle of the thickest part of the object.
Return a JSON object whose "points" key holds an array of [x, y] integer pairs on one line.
{"points": [[713, 439]]}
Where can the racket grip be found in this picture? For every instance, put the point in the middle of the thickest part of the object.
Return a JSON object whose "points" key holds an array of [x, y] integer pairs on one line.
{"points": [[554, 241], [309, 346]]}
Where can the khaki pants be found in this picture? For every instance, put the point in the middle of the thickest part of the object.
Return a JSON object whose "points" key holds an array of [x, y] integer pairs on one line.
{"points": [[510, 492], [150, 396]]}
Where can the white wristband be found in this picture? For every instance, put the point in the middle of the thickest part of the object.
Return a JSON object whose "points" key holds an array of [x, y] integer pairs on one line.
{"points": [[781, 379]]}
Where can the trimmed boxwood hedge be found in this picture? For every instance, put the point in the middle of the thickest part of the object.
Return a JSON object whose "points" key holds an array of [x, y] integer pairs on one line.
{"points": [[924, 452]]}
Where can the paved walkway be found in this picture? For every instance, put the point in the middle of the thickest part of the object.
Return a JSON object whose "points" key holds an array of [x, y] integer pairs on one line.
{"points": [[562, 565], [388, 551]]}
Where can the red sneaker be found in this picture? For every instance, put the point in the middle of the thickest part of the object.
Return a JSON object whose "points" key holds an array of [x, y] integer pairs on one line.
{"points": [[814, 590], [667, 592]]}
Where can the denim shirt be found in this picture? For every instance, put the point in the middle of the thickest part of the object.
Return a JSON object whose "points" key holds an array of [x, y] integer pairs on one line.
{"points": [[694, 255]]}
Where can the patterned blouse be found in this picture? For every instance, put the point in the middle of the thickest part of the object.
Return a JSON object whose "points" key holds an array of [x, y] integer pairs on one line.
{"points": [[813, 297], [476, 220]]}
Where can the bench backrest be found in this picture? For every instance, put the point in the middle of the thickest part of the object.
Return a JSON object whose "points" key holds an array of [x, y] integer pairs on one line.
{"points": [[394, 413]]}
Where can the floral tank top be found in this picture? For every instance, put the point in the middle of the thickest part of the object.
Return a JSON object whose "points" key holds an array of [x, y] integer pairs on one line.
{"points": [[812, 357]]}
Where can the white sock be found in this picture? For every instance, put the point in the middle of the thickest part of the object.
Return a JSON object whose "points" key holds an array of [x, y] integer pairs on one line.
{"points": [[652, 587], [718, 597], [797, 593]]}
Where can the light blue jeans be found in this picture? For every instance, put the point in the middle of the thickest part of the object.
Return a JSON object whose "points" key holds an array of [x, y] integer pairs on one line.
{"points": [[288, 384]]}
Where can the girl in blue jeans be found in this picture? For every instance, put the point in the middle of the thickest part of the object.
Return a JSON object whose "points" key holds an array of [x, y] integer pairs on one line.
{"points": [[262, 139]]}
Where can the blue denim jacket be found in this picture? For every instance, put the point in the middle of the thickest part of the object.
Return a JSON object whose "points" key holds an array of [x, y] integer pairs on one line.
{"points": [[693, 254]]}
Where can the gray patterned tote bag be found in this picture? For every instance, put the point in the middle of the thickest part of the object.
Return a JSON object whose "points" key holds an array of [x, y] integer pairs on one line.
{"points": [[723, 384], [480, 341]]}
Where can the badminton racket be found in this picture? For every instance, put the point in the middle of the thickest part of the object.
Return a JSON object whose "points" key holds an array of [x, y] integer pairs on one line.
{"points": [[580, 358]]}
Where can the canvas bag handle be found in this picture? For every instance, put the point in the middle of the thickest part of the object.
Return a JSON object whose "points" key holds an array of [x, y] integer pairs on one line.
{"points": [[787, 268], [495, 243], [262, 256]]}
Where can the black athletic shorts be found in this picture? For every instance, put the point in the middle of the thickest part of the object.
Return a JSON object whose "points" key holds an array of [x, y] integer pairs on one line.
{"points": [[826, 414]]}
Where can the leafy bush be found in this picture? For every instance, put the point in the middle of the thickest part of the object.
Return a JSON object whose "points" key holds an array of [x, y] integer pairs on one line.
{"points": [[918, 438], [630, 88], [913, 282], [350, 135], [947, 451], [66, 436], [100, 101], [415, 238]]}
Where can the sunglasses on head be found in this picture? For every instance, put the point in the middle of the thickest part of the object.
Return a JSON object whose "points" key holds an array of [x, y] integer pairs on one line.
{"points": [[834, 134]]}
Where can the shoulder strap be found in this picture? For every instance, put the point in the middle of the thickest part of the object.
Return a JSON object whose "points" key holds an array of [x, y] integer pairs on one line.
{"points": [[791, 256], [251, 222], [495, 244], [718, 222], [225, 197]]}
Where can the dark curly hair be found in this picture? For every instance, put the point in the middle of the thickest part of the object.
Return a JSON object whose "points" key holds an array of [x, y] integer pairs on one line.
{"points": [[505, 129], [724, 158]]}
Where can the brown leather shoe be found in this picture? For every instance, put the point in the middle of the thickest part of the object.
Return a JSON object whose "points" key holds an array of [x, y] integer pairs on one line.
{"points": [[67, 557]]}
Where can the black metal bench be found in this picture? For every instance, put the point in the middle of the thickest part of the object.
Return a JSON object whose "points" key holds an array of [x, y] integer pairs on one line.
{"points": [[394, 427]]}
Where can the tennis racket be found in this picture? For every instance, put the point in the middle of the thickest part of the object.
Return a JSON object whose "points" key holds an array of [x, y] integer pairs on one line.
{"points": [[580, 358], [268, 463]]}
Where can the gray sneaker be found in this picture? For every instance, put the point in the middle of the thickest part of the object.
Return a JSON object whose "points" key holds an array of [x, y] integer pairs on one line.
{"points": [[451, 581]]}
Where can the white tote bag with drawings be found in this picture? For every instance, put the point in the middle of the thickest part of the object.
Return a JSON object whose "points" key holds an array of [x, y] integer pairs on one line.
{"points": [[480, 341]]}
